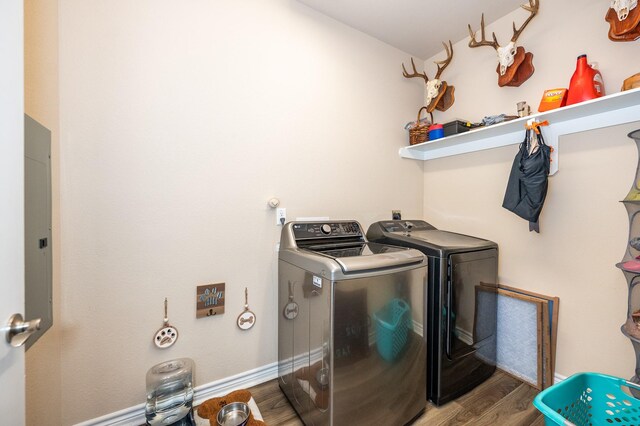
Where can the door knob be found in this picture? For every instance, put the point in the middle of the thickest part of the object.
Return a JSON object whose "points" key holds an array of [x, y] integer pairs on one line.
{"points": [[19, 330]]}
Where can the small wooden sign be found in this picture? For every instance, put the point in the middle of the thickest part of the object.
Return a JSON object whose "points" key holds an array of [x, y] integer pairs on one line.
{"points": [[210, 300]]}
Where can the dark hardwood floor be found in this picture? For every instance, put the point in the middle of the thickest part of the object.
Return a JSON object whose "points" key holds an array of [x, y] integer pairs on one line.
{"points": [[501, 400]]}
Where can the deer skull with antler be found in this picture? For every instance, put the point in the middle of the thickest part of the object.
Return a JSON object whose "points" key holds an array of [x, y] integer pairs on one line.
{"points": [[623, 17], [515, 66], [623, 7], [439, 95]]}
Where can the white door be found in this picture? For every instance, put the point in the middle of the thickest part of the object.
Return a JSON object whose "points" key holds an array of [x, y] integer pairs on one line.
{"points": [[12, 405]]}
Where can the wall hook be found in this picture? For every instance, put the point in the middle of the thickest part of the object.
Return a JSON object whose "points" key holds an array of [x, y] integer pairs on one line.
{"points": [[246, 319]]}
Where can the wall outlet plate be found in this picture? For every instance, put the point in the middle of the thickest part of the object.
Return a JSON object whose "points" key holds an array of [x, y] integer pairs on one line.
{"points": [[210, 300], [281, 215]]}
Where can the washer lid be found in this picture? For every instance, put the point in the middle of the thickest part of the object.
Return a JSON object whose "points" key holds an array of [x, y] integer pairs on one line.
{"points": [[358, 257]]}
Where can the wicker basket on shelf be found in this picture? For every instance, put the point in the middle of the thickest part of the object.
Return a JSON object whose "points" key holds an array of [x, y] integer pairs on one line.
{"points": [[420, 132]]}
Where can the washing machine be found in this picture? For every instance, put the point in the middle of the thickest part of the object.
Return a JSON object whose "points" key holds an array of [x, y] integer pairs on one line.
{"points": [[350, 326], [461, 304]]}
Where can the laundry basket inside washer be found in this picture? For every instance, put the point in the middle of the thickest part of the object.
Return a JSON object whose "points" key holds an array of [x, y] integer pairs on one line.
{"points": [[393, 324], [590, 399]]}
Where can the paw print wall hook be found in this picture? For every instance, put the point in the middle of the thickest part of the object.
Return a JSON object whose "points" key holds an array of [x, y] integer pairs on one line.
{"points": [[168, 334]]}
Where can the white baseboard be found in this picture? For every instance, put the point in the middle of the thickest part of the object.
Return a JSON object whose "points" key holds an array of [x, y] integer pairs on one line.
{"points": [[134, 416], [239, 381], [557, 378]]}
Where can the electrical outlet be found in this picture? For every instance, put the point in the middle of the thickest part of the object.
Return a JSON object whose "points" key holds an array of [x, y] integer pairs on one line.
{"points": [[281, 216], [396, 215]]}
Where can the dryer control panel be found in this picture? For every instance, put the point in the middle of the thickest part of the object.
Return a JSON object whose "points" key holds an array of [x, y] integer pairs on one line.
{"points": [[405, 225]]}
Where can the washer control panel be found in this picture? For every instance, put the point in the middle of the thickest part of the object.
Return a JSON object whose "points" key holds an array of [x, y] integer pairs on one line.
{"points": [[317, 230]]}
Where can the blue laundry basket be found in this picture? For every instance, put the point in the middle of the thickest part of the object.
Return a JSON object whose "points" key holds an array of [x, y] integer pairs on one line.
{"points": [[589, 399], [393, 324]]}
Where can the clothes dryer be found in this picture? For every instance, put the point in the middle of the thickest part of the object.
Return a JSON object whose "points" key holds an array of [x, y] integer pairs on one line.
{"points": [[461, 304]]}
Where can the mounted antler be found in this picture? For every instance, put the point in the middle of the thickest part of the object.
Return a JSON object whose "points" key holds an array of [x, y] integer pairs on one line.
{"points": [[439, 95], [473, 43], [510, 57], [443, 64], [532, 8], [415, 72]]}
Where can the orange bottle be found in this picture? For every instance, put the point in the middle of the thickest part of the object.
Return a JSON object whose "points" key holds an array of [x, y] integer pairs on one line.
{"points": [[586, 83]]}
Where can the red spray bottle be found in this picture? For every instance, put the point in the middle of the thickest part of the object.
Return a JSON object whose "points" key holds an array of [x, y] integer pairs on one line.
{"points": [[586, 83]]}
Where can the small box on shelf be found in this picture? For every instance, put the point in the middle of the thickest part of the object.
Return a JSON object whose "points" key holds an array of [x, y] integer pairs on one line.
{"points": [[455, 127]]}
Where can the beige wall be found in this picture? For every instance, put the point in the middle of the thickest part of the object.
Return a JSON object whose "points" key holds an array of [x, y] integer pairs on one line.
{"points": [[43, 378], [583, 226], [179, 120]]}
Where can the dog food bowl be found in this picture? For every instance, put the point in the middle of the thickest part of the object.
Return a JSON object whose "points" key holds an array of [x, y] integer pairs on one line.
{"points": [[234, 414]]}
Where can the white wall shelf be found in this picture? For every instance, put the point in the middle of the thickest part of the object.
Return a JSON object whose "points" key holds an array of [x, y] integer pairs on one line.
{"points": [[611, 110]]}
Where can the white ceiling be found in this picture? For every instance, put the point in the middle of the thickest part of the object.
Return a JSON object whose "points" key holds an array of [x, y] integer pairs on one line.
{"points": [[417, 27]]}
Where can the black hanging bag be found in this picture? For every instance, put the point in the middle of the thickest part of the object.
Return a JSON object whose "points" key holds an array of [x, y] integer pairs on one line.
{"points": [[527, 186]]}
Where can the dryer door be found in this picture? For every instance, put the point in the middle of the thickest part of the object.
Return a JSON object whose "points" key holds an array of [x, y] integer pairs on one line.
{"points": [[471, 303]]}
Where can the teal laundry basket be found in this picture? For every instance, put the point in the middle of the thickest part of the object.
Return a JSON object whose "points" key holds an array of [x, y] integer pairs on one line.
{"points": [[589, 399], [393, 324]]}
